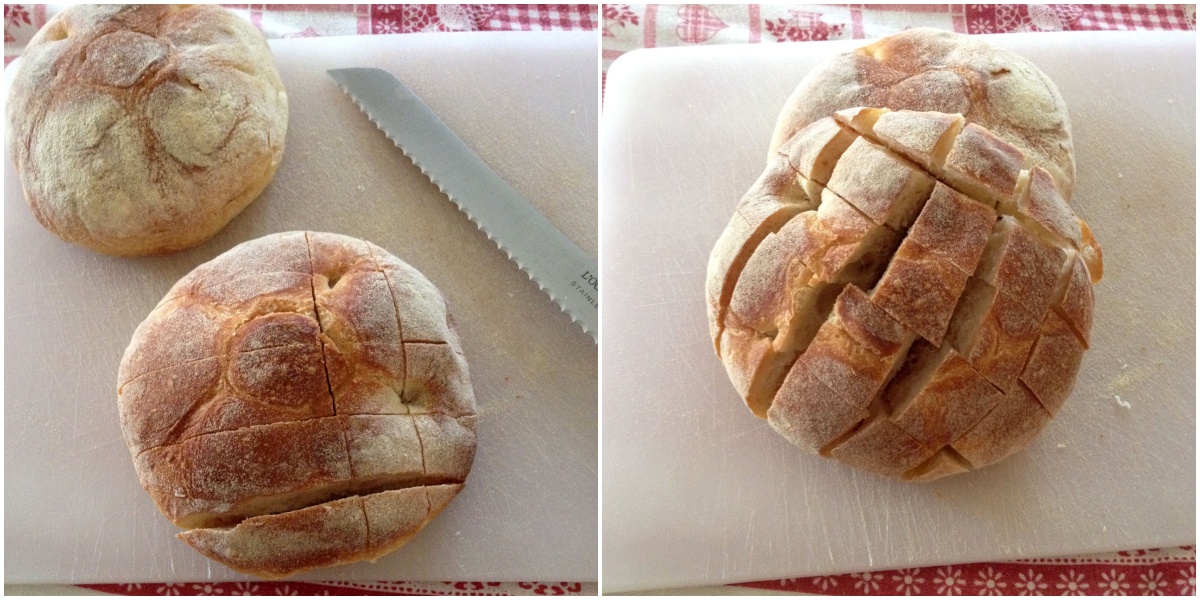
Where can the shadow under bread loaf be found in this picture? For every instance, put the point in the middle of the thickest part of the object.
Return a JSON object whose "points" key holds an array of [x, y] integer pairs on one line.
{"points": [[145, 129], [300, 401], [906, 292]]}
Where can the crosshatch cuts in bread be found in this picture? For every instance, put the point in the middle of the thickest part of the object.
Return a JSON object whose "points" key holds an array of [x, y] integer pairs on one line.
{"points": [[905, 292], [930, 70], [300, 401], [145, 129]]}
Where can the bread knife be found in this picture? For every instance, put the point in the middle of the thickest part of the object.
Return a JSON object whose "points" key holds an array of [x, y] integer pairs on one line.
{"points": [[539, 249]]}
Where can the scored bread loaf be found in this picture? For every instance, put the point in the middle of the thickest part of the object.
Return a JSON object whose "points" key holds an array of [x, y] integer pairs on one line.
{"points": [[145, 129], [904, 292], [299, 401]]}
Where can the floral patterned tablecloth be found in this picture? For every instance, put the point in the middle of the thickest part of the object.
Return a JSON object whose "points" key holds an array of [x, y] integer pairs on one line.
{"points": [[626, 27], [22, 21]]}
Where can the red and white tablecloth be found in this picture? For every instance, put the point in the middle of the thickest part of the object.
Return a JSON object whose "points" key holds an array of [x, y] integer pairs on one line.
{"points": [[626, 27], [22, 21]]}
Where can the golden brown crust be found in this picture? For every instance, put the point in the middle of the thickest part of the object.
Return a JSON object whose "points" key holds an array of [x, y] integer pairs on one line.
{"points": [[236, 404], [145, 129], [926, 69]]}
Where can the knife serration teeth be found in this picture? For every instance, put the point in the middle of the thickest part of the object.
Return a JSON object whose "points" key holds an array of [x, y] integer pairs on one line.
{"points": [[541, 286]]}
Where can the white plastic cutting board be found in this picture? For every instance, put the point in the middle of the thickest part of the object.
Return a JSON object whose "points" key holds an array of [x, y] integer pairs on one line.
{"points": [[697, 490], [74, 511]]}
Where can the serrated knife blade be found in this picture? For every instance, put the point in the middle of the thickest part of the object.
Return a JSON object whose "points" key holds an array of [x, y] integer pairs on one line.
{"points": [[538, 248]]}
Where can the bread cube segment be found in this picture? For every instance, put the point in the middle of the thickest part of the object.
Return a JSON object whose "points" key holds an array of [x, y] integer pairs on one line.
{"points": [[744, 353], [937, 396], [815, 150], [953, 227], [757, 363], [782, 183], [1045, 206], [762, 297], [448, 445], [945, 462], [746, 230], [1017, 264], [993, 332], [920, 290], [222, 478], [855, 249], [1053, 364], [1009, 427], [808, 413], [153, 404], [884, 187], [983, 165], [923, 137], [175, 333], [1078, 300], [861, 119], [278, 545], [882, 447], [438, 380], [857, 348]]}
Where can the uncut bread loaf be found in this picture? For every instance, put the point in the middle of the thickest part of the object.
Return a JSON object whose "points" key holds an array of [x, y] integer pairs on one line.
{"points": [[145, 129], [300, 401], [905, 292]]}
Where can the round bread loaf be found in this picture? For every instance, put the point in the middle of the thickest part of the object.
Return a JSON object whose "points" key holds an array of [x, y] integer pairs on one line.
{"points": [[144, 129], [926, 69], [299, 401], [904, 292]]}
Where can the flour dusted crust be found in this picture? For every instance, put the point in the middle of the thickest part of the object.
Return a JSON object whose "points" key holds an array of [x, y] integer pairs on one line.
{"points": [[145, 129], [926, 69], [917, 306], [299, 401]]}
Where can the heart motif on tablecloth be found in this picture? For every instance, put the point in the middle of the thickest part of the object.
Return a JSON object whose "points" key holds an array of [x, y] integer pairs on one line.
{"points": [[697, 24]]}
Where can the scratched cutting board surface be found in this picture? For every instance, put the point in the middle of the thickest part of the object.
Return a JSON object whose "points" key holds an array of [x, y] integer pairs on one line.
{"points": [[699, 491], [526, 102]]}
